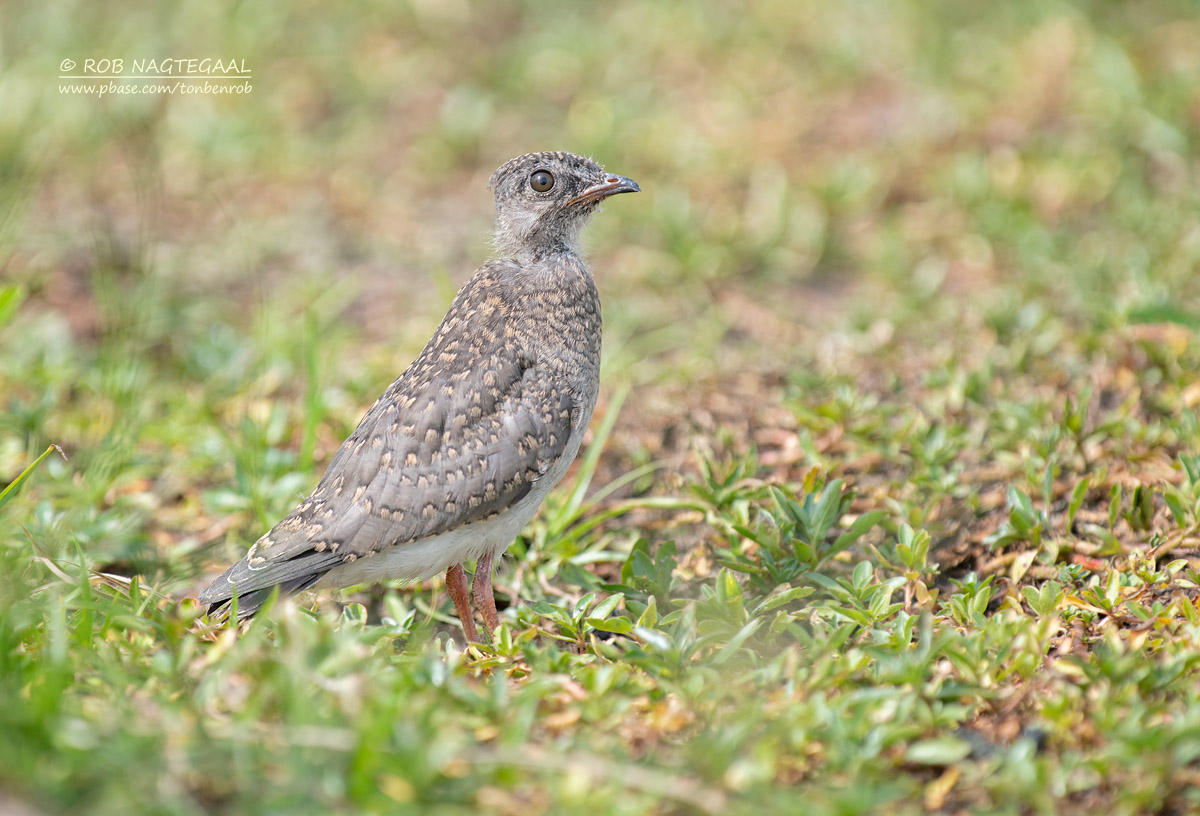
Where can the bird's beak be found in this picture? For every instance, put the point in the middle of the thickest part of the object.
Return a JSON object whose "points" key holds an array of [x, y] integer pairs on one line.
{"points": [[611, 185]]}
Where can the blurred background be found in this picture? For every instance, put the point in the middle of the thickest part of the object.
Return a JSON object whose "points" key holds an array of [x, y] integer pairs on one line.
{"points": [[942, 253], [203, 291]]}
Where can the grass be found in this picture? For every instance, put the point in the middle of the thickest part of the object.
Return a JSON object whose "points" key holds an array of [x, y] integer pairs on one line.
{"points": [[892, 499]]}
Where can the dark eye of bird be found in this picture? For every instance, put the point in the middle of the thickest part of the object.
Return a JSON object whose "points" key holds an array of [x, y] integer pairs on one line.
{"points": [[541, 181]]}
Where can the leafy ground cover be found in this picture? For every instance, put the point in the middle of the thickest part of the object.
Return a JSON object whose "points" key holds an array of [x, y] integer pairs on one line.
{"points": [[892, 500]]}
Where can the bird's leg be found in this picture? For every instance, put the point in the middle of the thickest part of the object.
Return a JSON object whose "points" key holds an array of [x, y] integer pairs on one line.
{"points": [[456, 585], [482, 590]]}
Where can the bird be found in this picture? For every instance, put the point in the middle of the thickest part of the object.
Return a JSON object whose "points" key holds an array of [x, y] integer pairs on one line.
{"points": [[455, 457]]}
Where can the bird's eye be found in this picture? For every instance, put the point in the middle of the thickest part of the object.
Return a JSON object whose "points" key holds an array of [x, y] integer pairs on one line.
{"points": [[541, 181]]}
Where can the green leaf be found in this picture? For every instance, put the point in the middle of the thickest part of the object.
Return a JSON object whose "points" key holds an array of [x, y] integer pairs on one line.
{"points": [[1077, 497], [818, 516], [938, 751], [741, 566], [913, 548], [606, 607], [729, 594], [1191, 467], [783, 596], [1044, 602], [1178, 510], [584, 604], [855, 615], [354, 616], [1141, 510], [652, 637], [1020, 511], [649, 616], [1114, 505], [620, 626], [805, 554]]}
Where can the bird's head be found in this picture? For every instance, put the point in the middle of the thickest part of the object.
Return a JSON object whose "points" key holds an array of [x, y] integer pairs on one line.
{"points": [[544, 199]]}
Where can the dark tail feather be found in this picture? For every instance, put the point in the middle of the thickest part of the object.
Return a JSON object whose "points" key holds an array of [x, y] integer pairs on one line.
{"points": [[249, 604], [254, 587]]}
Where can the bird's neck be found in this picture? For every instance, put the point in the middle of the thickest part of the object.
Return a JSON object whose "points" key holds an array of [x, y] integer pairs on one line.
{"points": [[549, 254], [528, 243]]}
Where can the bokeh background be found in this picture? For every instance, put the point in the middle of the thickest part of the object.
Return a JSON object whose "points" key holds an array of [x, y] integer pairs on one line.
{"points": [[844, 190], [863, 224]]}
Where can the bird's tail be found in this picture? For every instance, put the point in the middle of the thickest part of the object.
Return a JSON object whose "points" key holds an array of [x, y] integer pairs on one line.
{"points": [[220, 595]]}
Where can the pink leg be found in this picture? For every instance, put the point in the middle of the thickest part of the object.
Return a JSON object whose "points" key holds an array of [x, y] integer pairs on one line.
{"points": [[482, 590], [456, 585]]}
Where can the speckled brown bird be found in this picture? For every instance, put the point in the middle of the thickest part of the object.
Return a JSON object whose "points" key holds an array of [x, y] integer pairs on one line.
{"points": [[456, 456]]}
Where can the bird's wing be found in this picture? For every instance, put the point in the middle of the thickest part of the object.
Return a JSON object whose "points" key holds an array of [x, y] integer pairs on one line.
{"points": [[438, 450]]}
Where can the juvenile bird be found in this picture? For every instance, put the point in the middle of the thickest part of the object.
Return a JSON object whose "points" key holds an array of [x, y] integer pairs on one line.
{"points": [[456, 456]]}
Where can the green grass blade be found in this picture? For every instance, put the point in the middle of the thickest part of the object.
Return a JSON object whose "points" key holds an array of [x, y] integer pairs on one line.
{"points": [[8, 492], [10, 298]]}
